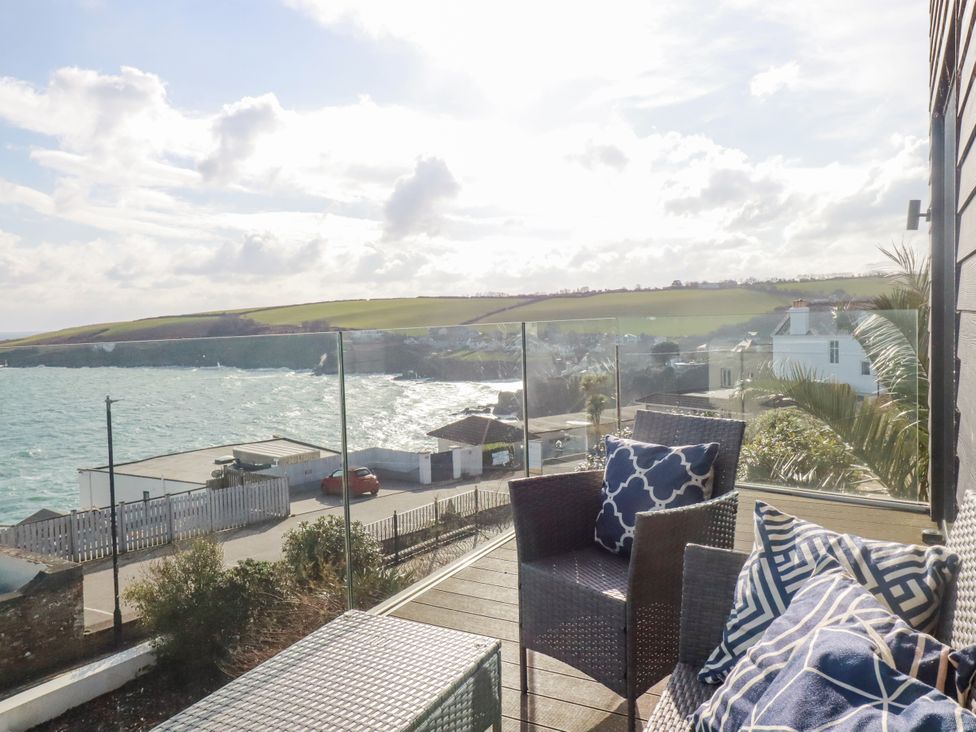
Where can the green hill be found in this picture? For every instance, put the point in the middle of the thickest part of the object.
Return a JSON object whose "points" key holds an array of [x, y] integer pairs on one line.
{"points": [[680, 311]]}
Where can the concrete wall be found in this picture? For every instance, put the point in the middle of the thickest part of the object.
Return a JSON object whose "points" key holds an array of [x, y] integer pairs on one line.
{"points": [[310, 471], [813, 353], [468, 462], [93, 488], [42, 622]]}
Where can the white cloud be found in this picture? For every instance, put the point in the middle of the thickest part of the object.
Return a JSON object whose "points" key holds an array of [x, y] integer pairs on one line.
{"points": [[585, 136], [775, 79], [413, 206], [237, 129]]}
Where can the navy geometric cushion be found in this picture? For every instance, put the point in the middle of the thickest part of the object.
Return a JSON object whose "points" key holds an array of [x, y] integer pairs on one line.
{"points": [[838, 659], [908, 580], [642, 476]]}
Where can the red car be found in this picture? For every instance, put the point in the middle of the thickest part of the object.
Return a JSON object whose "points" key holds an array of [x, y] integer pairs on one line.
{"points": [[361, 481]]}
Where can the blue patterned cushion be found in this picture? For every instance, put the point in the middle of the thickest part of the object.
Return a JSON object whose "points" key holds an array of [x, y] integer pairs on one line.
{"points": [[838, 659], [642, 476], [909, 580]]}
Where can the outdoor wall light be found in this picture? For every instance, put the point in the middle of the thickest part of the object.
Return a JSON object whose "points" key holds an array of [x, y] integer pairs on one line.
{"points": [[915, 214]]}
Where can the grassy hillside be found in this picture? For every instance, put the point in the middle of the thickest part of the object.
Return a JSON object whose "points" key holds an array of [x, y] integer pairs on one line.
{"points": [[854, 287], [689, 312], [394, 313]]}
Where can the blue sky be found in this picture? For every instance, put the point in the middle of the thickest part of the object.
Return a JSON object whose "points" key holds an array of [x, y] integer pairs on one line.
{"points": [[182, 156]]}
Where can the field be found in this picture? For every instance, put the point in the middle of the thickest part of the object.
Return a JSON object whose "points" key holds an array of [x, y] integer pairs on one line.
{"points": [[393, 313], [859, 287], [670, 313]]}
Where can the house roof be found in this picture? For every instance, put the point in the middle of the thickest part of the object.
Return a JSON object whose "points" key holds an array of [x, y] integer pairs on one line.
{"points": [[478, 430], [41, 515], [821, 323], [197, 466]]}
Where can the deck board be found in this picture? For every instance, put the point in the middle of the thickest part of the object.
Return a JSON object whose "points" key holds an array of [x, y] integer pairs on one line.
{"points": [[482, 598]]}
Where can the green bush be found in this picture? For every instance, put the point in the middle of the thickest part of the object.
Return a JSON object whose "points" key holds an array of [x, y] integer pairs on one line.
{"points": [[316, 551], [192, 606], [789, 446]]}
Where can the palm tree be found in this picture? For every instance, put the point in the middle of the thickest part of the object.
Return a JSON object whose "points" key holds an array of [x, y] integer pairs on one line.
{"points": [[595, 401], [888, 433]]}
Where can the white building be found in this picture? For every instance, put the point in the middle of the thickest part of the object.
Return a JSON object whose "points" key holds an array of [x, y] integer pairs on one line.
{"points": [[812, 341], [183, 471]]}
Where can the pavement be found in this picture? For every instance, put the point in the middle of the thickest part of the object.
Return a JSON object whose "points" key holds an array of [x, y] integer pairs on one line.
{"points": [[263, 541]]}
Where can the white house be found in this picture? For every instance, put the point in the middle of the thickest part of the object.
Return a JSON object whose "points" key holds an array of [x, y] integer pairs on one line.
{"points": [[811, 340]]}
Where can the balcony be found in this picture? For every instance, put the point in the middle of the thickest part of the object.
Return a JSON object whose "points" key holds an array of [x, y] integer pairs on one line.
{"points": [[231, 438], [480, 595]]}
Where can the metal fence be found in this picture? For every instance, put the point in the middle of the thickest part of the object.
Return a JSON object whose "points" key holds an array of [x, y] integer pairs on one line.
{"points": [[402, 531], [87, 535]]}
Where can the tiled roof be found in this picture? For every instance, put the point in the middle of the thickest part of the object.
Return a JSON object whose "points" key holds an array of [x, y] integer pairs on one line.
{"points": [[478, 430]]}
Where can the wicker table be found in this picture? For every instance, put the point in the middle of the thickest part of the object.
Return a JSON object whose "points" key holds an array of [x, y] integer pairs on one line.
{"points": [[363, 672]]}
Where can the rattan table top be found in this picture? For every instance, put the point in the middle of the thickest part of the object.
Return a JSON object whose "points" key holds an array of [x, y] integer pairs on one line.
{"points": [[358, 672]]}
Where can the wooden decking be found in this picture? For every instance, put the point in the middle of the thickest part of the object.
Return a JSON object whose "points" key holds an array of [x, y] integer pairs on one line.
{"points": [[482, 597]]}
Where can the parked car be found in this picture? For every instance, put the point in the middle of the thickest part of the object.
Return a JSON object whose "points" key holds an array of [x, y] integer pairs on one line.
{"points": [[361, 481]]}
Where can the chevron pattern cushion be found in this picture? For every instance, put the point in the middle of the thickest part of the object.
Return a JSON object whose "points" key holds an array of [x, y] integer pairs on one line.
{"points": [[838, 659], [909, 580], [642, 476]]}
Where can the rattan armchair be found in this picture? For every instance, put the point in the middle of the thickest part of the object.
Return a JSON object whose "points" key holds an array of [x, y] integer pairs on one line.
{"points": [[709, 586], [613, 618]]}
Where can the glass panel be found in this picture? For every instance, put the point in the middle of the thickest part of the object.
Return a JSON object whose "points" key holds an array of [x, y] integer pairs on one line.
{"points": [[815, 386], [222, 438], [572, 389], [433, 414]]}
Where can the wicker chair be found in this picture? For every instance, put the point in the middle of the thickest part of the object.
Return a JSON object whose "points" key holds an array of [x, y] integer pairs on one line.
{"points": [[710, 577], [613, 618]]}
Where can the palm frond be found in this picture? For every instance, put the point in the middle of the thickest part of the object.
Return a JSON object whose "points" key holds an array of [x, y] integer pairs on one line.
{"points": [[881, 438]]}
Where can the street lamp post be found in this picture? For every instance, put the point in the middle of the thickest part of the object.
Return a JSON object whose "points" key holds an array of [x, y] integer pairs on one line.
{"points": [[117, 613]]}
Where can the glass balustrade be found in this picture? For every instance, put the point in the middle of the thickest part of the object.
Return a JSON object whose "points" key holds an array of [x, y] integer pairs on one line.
{"points": [[241, 439]]}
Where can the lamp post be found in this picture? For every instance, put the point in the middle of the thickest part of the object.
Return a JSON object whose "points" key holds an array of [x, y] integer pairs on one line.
{"points": [[117, 613]]}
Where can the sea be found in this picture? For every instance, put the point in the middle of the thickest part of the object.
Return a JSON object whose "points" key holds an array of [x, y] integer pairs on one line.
{"points": [[53, 422]]}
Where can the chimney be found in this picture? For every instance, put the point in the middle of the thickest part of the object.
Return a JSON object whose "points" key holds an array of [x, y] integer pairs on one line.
{"points": [[799, 318]]}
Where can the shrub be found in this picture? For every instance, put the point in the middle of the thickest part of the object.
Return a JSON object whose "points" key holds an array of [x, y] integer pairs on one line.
{"points": [[316, 551], [191, 605], [789, 446], [316, 555]]}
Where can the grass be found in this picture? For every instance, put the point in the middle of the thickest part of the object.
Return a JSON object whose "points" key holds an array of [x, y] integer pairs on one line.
{"points": [[666, 313], [394, 313], [855, 287]]}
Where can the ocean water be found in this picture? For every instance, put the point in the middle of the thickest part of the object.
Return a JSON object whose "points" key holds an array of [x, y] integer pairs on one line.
{"points": [[52, 420]]}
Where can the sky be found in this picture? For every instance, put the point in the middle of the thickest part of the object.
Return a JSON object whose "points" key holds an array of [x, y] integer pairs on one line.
{"points": [[175, 157]]}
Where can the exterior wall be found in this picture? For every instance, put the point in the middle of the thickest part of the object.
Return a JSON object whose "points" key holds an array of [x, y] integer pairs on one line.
{"points": [[952, 189], [93, 488], [309, 471], [748, 362], [813, 352], [42, 621], [468, 462]]}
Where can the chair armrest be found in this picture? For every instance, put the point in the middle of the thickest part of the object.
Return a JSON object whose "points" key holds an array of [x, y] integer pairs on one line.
{"points": [[660, 538], [707, 594], [656, 575], [555, 513]]}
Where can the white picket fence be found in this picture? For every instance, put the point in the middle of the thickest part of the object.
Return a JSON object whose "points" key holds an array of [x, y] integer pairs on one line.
{"points": [[86, 535]]}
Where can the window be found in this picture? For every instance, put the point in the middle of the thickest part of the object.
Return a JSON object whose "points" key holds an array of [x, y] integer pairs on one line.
{"points": [[865, 368], [726, 377], [834, 351]]}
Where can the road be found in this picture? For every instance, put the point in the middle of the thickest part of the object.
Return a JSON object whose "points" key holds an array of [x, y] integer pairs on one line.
{"points": [[264, 541]]}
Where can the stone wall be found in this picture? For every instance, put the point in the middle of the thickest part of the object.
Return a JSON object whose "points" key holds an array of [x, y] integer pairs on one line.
{"points": [[42, 620]]}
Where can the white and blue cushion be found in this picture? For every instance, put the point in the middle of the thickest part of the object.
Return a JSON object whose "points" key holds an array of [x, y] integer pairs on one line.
{"points": [[909, 580], [839, 660], [642, 476]]}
